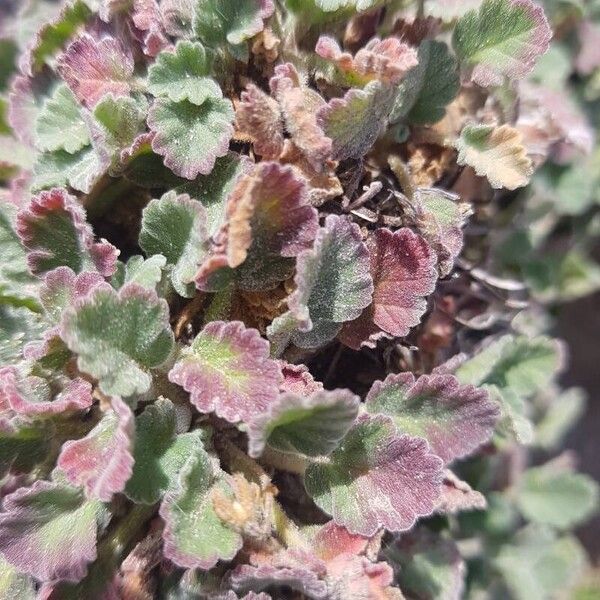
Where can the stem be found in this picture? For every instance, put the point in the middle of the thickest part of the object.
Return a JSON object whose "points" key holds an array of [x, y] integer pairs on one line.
{"points": [[293, 463]]}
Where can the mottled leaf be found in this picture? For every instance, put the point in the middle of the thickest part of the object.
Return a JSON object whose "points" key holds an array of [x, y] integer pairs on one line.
{"points": [[428, 566], [119, 336], [227, 370], [402, 266], [55, 525], [310, 425], [503, 38], [429, 87], [354, 122], [454, 419], [555, 497], [175, 226], [59, 125], [191, 137], [14, 584], [376, 478], [55, 231], [496, 153], [101, 462], [183, 74], [387, 60], [33, 395], [194, 536], [92, 68]]}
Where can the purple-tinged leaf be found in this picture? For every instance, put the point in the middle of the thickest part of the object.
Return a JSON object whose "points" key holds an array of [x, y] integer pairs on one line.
{"points": [[49, 531], [175, 226], [119, 336], [23, 109], [588, 57], [55, 231], [458, 496], [504, 38], [376, 479], [227, 370], [299, 105], [354, 122], [455, 419], [269, 221], [298, 380], [178, 16], [52, 35], [92, 68], [194, 536], [333, 284], [404, 273], [259, 117], [191, 137], [310, 425], [101, 462], [331, 540], [387, 60], [160, 454], [427, 565], [33, 396], [146, 17]]}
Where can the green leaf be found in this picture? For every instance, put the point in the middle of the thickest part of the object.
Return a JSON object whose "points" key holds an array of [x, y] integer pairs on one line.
{"points": [[119, 336], [146, 273], [191, 137], [175, 226], [429, 87], [561, 499], [23, 445], [563, 412], [538, 564], [503, 38], [183, 74], [376, 478], [194, 536], [14, 584], [496, 153], [312, 425], [60, 125], [159, 454]]}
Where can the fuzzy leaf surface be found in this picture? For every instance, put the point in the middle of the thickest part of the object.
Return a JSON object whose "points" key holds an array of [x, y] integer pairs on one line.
{"points": [[376, 478]]}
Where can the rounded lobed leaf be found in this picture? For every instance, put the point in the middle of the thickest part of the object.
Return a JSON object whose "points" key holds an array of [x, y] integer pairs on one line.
{"points": [[194, 536], [55, 525], [458, 496], [227, 370], [183, 74], [298, 380], [310, 425], [496, 153], [402, 265], [191, 137], [376, 478], [101, 462], [32, 396], [119, 336], [453, 418], [159, 453], [92, 68], [54, 229], [504, 38], [175, 226]]}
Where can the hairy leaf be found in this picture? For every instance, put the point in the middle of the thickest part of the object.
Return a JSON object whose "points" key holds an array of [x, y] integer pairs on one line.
{"points": [[146, 273], [310, 425], [54, 230], [191, 137], [101, 462], [119, 336], [376, 478], [503, 38], [194, 536], [496, 153], [402, 266], [227, 370], [160, 454], [56, 526], [183, 74], [175, 226], [14, 584], [454, 419]]}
